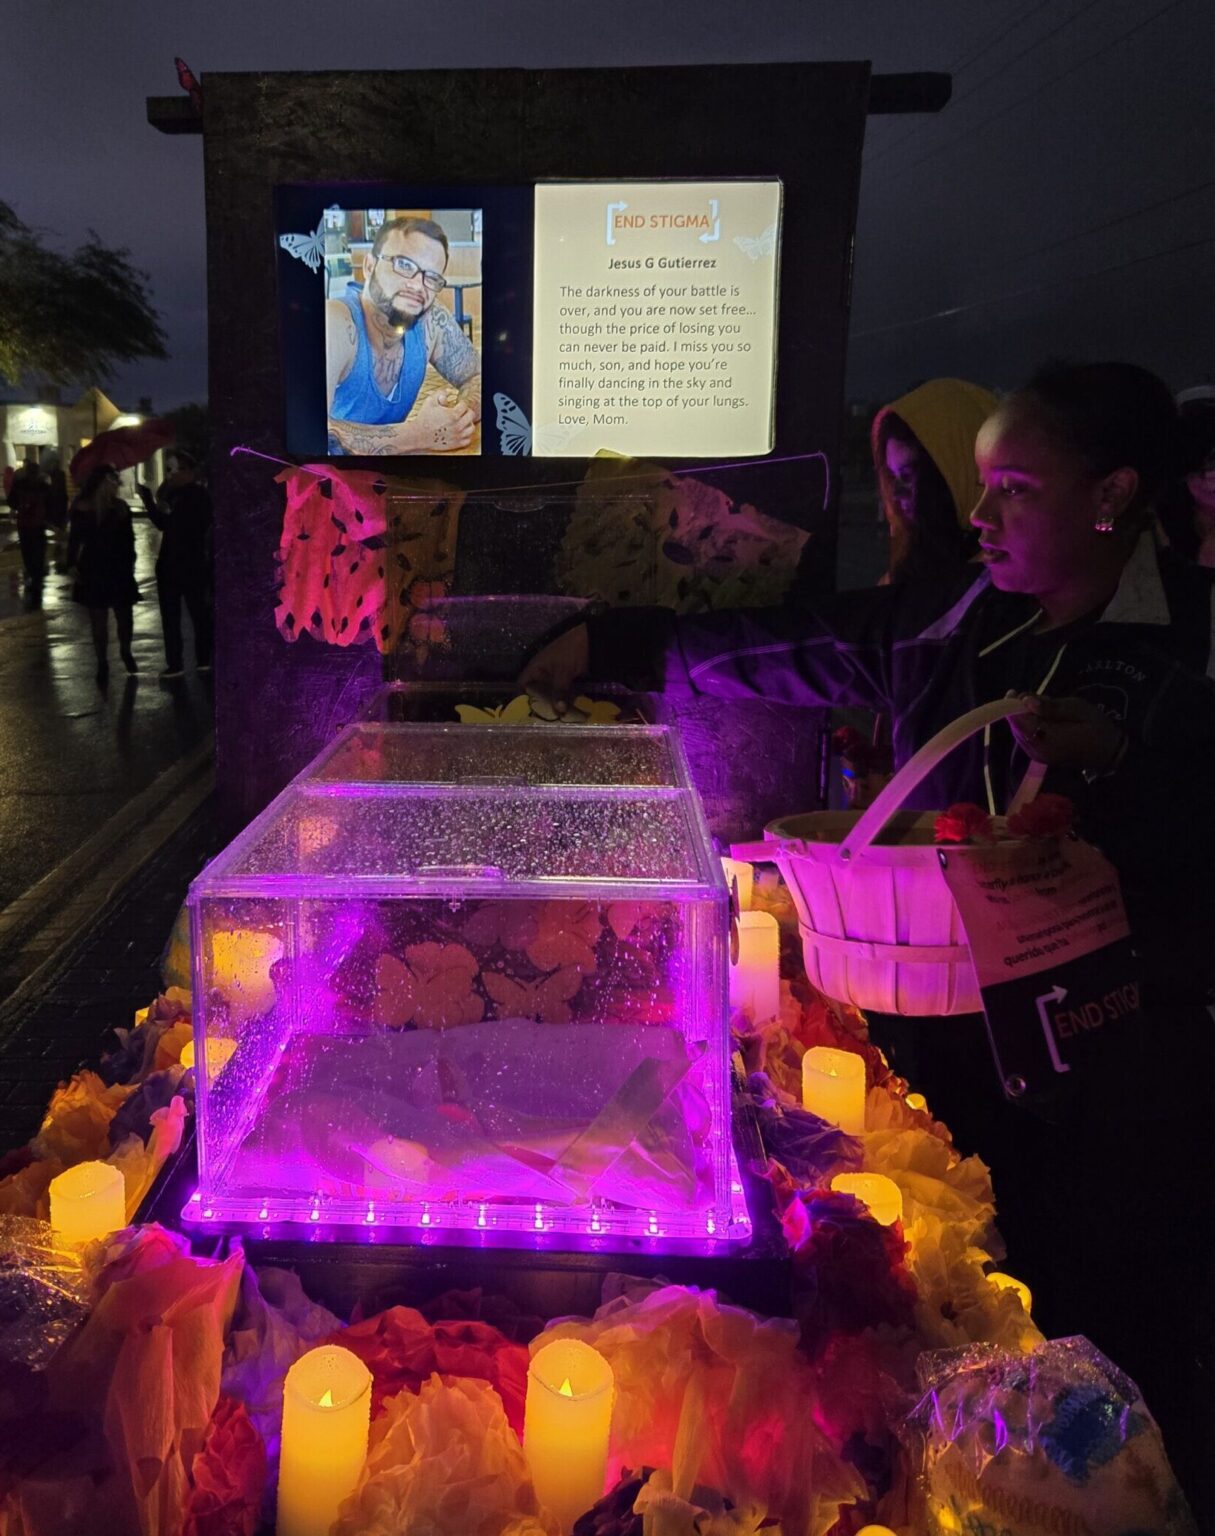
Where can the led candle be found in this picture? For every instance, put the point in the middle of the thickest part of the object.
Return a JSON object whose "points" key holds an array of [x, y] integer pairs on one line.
{"points": [[833, 1087], [1003, 1282], [240, 969], [87, 1202], [744, 873], [217, 1054], [326, 1414], [881, 1195], [566, 1425], [755, 980]]}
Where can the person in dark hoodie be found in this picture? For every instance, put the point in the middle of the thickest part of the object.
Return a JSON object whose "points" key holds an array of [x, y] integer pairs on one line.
{"points": [[1070, 467]]}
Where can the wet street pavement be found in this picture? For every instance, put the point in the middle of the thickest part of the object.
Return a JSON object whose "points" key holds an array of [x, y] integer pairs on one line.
{"points": [[72, 756]]}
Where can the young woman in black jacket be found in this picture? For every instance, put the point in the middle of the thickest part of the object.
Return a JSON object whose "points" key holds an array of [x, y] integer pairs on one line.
{"points": [[1106, 1211]]}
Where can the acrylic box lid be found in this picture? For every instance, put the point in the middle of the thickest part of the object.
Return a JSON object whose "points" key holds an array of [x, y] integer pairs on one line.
{"points": [[485, 810]]}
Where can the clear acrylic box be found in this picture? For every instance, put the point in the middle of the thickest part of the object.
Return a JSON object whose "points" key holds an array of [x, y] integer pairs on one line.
{"points": [[468, 982]]}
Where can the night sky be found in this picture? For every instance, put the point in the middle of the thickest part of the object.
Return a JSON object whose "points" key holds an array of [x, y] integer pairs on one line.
{"points": [[1063, 204]]}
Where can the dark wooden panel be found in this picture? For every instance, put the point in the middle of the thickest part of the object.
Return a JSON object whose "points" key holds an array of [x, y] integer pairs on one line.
{"points": [[276, 702]]}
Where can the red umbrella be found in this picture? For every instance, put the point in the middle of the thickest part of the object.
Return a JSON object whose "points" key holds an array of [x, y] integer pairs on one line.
{"points": [[123, 447]]}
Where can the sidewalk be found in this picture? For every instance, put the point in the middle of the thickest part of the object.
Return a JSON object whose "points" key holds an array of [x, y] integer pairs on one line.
{"points": [[60, 1020], [104, 819], [72, 756]]}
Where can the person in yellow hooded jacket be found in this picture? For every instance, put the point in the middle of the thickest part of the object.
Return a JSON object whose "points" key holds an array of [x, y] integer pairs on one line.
{"points": [[924, 456]]}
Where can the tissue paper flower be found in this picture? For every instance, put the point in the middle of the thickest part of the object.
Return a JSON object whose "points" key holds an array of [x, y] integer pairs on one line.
{"points": [[939, 1187], [444, 1462], [957, 1303], [613, 1514], [157, 1091], [849, 1272], [26, 1192], [402, 1350], [706, 1513], [138, 1047], [809, 1149], [127, 1400], [139, 1163], [273, 1325], [228, 1476], [716, 1395], [77, 1121], [964, 823]]}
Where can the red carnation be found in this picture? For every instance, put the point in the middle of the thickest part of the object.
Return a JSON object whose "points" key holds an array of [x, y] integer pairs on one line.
{"points": [[964, 823], [1044, 816]]}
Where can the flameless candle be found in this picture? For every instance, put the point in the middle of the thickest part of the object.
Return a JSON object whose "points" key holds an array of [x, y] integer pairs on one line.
{"points": [[566, 1424], [755, 980], [217, 1054], [87, 1202], [833, 1087], [326, 1413], [744, 873], [1003, 1282], [240, 969], [881, 1195]]}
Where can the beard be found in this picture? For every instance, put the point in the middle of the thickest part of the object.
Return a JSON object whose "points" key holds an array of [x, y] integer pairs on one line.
{"points": [[391, 309]]}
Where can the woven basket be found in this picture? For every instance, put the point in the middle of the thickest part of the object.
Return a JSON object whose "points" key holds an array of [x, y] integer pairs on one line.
{"points": [[879, 925]]}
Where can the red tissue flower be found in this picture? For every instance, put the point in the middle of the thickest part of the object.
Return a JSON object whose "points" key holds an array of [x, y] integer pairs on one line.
{"points": [[849, 1273], [1044, 816], [964, 823], [850, 743], [401, 1350], [228, 1477]]}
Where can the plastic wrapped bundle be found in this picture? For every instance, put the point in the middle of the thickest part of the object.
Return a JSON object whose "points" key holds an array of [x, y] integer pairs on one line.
{"points": [[43, 1293], [1056, 1443]]}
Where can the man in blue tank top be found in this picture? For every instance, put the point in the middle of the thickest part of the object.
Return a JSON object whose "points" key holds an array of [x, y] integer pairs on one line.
{"points": [[380, 336]]}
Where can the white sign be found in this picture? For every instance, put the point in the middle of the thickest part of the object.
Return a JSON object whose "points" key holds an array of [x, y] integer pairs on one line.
{"points": [[655, 318], [32, 424]]}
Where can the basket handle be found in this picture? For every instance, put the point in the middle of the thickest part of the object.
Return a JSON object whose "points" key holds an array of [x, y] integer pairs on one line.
{"points": [[917, 768]]}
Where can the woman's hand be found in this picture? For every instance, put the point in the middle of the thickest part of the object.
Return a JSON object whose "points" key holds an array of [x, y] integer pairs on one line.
{"points": [[1068, 733], [551, 674]]}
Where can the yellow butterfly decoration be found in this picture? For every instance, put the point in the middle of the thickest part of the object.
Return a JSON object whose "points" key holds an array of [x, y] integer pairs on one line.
{"points": [[523, 709], [546, 999]]}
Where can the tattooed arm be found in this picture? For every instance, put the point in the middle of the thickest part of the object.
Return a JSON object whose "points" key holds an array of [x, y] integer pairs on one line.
{"points": [[454, 356], [341, 344]]}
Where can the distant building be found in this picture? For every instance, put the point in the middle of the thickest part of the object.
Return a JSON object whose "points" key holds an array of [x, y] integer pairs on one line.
{"points": [[46, 429]]}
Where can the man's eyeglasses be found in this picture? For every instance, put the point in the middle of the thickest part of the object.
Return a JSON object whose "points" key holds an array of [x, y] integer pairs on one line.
{"points": [[403, 267]]}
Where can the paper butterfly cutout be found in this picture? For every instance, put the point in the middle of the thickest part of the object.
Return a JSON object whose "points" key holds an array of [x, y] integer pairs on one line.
{"points": [[762, 245], [516, 434], [186, 79], [546, 999], [309, 248], [523, 708]]}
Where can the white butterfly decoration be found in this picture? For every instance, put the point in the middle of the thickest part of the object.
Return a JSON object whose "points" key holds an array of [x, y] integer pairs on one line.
{"points": [[516, 434], [309, 248], [760, 245]]}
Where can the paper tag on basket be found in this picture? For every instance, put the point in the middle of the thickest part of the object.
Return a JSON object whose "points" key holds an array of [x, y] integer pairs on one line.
{"points": [[1051, 949]]}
